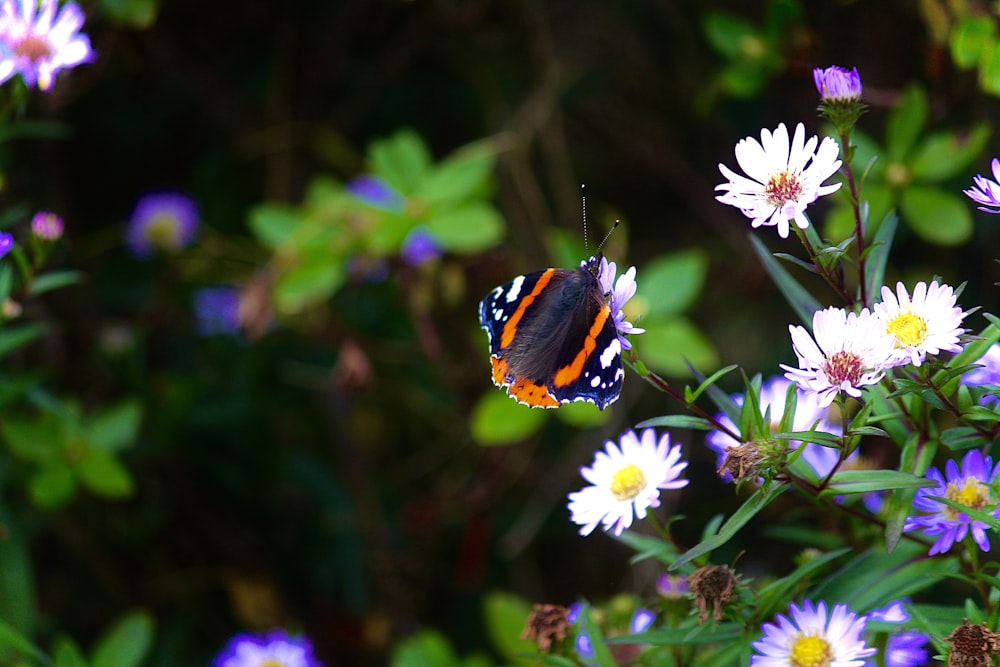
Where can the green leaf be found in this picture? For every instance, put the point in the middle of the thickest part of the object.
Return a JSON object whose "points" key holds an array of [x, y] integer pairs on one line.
{"points": [[847, 482], [668, 346], [905, 122], [678, 421], [52, 486], [274, 224], [140, 14], [670, 284], [15, 641], [723, 632], [498, 419], [14, 337], [729, 34], [840, 224], [775, 595], [504, 614], [402, 160], [754, 504], [971, 512], [39, 440], [936, 215], [307, 283], [115, 428], [946, 154], [427, 648], [582, 414], [801, 301], [127, 643], [65, 653], [989, 69], [461, 175], [970, 39], [47, 282], [877, 256], [104, 474], [17, 580], [468, 229]]}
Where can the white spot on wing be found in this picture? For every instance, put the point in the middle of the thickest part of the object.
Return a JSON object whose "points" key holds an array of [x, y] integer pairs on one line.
{"points": [[596, 381], [610, 353], [515, 289]]}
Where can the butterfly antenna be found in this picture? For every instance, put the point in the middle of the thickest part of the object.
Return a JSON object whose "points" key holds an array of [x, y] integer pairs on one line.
{"points": [[583, 200], [606, 236]]}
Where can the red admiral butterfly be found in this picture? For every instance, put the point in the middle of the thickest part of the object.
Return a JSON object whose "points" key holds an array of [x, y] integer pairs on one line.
{"points": [[553, 337]]}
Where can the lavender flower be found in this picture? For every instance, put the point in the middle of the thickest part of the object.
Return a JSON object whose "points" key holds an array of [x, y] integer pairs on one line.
{"points": [[6, 243], [162, 221], [47, 226], [37, 42], [986, 376], [986, 192], [275, 649], [836, 84], [419, 247], [374, 191]]}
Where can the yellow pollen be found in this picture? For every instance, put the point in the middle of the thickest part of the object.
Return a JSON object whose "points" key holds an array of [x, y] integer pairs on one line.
{"points": [[810, 651], [35, 48], [909, 329], [783, 187], [971, 493], [271, 662], [164, 231], [627, 482]]}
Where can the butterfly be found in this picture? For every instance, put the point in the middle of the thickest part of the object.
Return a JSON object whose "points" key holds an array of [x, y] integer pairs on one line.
{"points": [[553, 337]]}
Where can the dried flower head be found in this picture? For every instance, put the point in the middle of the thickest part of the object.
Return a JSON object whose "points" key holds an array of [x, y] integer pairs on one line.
{"points": [[972, 645], [547, 623], [713, 585]]}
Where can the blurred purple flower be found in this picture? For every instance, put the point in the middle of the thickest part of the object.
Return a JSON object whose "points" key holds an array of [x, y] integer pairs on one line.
{"points": [[275, 648], [162, 221], [37, 41], [6, 243], [419, 247], [986, 192], [672, 586], [47, 226], [217, 310], [641, 620], [987, 376], [376, 192]]}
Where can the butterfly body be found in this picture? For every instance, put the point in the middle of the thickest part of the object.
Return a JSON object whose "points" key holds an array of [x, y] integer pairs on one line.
{"points": [[553, 338]]}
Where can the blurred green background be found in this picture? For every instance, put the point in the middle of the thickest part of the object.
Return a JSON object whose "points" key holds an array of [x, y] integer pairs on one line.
{"points": [[337, 467]]}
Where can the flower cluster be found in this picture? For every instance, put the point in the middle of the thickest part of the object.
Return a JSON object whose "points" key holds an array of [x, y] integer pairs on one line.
{"points": [[849, 350], [37, 41]]}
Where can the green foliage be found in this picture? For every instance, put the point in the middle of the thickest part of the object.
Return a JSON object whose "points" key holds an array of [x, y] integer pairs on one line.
{"points": [[974, 45]]}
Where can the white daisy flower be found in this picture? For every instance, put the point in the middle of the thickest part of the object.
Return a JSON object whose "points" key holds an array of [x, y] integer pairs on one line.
{"points": [[929, 322], [619, 291], [850, 351], [810, 639], [626, 481], [783, 180]]}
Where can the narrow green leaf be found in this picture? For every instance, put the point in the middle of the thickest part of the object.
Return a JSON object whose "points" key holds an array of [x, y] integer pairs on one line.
{"points": [[15, 641], [723, 632], [775, 595], [846, 482], [877, 256], [47, 282], [65, 653], [678, 421], [754, 504], [14, 337], [711, 380], [979, 515], [801, 301], [126, 643]]}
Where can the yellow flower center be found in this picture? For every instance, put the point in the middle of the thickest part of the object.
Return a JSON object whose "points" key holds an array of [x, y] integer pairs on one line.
{"points": [[810, 651], [163, 231], [627, 482], [909, 329], [972, 493], [783, 187], [271, 662], [843, 365]]}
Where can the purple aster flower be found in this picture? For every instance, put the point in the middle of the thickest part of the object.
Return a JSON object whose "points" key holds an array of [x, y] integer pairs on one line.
{"points": [[672, 586], [37, 41], [836, 84], [807, 636], [906, 649], [419, 247], [808, 411], [275, 649], [970, 485], [986, 376], [585, 649], [162, 221], [620, 291], [376, 192], [47, 226], [986, 192], [894, 612], [217, 310], [6, 243], [642, 619]]}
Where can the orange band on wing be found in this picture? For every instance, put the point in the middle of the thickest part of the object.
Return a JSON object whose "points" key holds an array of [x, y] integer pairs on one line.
{"points": [[510, 328], [571, 371], [523, 390]]}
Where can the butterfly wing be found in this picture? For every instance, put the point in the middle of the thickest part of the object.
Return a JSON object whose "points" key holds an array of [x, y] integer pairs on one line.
{"points": [[553, 340]]}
